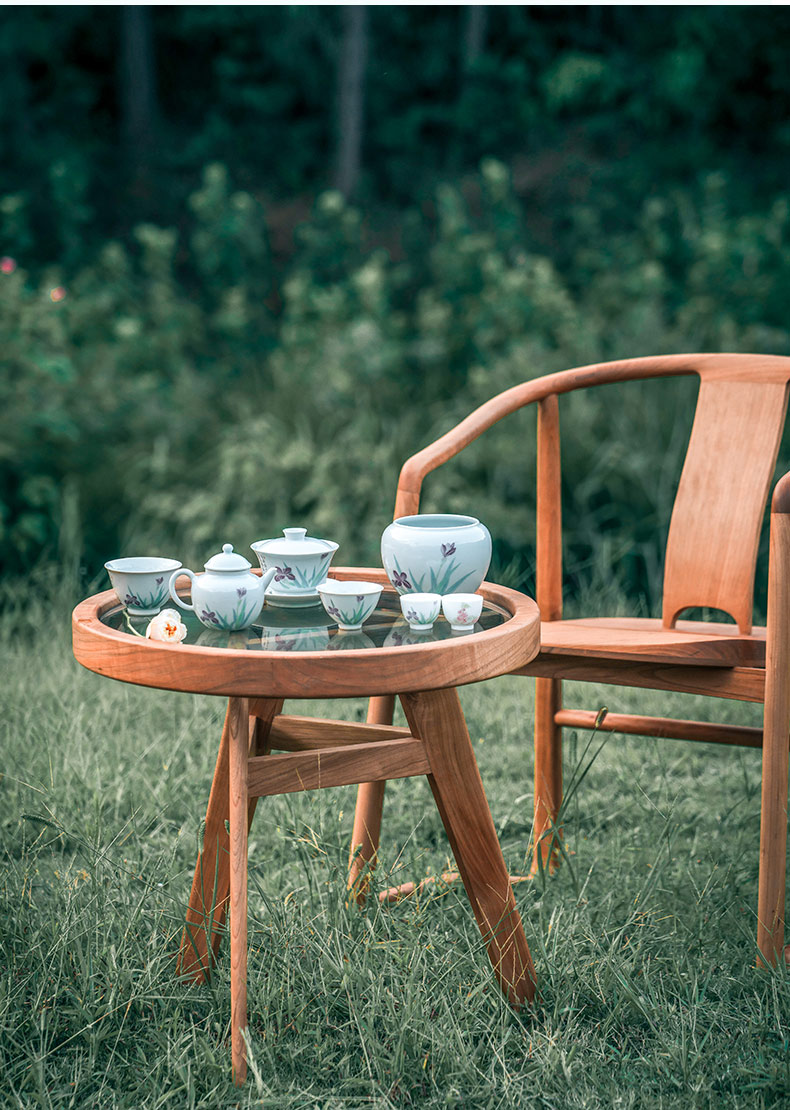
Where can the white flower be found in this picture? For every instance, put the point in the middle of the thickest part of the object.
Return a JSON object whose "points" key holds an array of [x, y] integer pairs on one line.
{"points": [[166, 626]]}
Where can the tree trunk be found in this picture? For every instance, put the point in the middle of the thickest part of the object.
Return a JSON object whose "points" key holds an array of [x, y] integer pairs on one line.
{"points": [[17, 133], [138, 88], [475, 34], [475, 29], [351, 98]]}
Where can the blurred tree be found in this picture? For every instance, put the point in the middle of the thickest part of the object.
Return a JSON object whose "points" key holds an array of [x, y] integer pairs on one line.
{"points": [[475, 29], [475, 34], [590, 104], [351, 98], [17, 121], [138, 98]]}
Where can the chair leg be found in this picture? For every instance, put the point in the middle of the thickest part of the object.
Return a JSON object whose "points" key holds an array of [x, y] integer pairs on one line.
{"points": [[548, 774], [773, 838], [776, 728], [367, 817]]}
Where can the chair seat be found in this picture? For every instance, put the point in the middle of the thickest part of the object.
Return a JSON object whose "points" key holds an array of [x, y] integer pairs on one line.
{"points": [[691, 642]]}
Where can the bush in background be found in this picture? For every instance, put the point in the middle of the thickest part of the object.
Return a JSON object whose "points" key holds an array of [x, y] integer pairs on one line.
{"points": [[183, 388]]}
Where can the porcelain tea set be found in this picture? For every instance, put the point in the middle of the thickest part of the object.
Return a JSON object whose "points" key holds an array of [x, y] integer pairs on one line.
{"points": [[434, 561]]}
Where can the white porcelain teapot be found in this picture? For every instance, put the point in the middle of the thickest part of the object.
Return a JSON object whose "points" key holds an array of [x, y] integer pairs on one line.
{"points": [[228, 596]]}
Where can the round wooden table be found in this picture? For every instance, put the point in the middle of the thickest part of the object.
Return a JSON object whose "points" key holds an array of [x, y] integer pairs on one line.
{"points": [[299, 653]]}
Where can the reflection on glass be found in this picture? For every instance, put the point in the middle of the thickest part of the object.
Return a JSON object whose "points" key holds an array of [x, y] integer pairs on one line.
{"points": [[136, 626], [401, 634], [310, 629], [351, 641], [218, 638], [295, 639]]}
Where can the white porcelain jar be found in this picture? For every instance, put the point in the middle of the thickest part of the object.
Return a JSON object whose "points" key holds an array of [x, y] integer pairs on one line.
{"points": [[437, 553]]}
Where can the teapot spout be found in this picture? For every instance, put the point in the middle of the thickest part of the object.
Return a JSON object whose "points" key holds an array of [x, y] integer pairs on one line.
{"points": [[267, 577]]}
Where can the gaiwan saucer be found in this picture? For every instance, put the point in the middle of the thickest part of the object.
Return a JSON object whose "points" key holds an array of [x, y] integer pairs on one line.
{"points": [[292, 599]]}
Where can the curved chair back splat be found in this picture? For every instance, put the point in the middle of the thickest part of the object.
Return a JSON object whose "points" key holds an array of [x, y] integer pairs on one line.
{"points": [[720, 503]]}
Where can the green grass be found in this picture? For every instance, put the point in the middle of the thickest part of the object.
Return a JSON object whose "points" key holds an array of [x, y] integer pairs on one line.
{"points": [[643, 942]]}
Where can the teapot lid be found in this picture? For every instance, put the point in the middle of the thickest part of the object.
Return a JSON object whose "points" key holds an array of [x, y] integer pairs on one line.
{"points": [[296, 542], [227, 559]]}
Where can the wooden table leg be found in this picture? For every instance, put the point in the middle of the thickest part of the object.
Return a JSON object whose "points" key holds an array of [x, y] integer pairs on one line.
{"points": [[238, 718], [367, 816], [437, 719], [211, 883]]}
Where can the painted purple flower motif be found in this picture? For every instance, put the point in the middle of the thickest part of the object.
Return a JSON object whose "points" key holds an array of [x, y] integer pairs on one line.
{"points": [[447, 550], [333, 611], [210, 615], [241, 591], [397, 639], [281, 573], [325, 554], [412, 616], [400, 581], [360, 597], [159, 581], [283, 644], [130, 599]]}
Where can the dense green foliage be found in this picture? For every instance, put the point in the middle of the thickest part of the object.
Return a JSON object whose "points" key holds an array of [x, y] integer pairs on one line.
{"points": [[183, 390], [197, 354], [643, 941]]}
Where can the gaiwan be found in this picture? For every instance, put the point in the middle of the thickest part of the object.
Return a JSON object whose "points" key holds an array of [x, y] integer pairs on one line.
{"points": [[436, 553], [300, 564]]}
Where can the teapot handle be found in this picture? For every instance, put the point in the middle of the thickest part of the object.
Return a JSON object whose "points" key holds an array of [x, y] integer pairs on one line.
{"points": [[172, 587]]}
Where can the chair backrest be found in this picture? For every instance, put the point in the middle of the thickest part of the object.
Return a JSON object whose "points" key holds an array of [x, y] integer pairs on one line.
{"points": [[714, 532]]}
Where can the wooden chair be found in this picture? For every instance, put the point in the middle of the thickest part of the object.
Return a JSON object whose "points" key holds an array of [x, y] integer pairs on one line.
{"points": [[710, 562]]}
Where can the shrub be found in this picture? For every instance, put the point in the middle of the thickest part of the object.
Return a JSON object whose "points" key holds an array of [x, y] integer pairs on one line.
{"points": [[182, 389]]}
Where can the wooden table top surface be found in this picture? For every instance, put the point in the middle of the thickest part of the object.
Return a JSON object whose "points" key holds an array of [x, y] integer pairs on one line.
{"points": [[299, 653]]}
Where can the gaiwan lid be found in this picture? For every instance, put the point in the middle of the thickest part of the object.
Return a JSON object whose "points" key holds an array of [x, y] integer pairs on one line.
{"points": [[295, 542], [227, 559]]}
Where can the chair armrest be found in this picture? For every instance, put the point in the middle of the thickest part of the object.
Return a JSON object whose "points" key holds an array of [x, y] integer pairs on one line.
{"points": [[447, 446], [415, 469]]}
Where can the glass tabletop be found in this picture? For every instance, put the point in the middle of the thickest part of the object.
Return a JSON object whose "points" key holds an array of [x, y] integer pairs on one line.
{"points": [[311, 629]]}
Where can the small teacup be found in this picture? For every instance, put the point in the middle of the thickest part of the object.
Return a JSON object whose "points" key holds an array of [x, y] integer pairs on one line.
{"points": [[462, 610], [349, 603], [141, 583], [420, 610]]}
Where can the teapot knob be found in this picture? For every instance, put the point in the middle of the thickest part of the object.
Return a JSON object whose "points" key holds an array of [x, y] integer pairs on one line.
{"points": [[295, 534], [227, 548]]}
